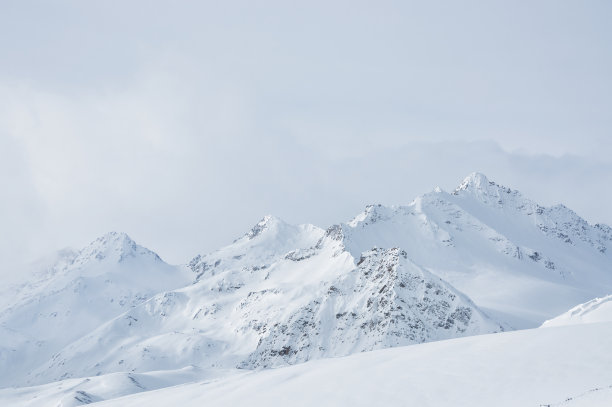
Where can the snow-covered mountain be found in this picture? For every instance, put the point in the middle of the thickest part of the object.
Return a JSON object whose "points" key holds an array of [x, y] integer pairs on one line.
{"points": [[254, 305], [481, 259], [521, 262], [74, 295]]}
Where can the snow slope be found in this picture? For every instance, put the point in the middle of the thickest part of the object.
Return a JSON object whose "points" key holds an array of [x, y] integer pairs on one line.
{"points": [[522, 368], [87, 390], [597, 310]]}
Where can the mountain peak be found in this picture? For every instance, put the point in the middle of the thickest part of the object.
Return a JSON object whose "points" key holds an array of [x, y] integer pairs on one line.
{"points": [[114, 240], [265, 223], [114, 236], [475, 180], [477, 184], [371, 214], [115, 246]]}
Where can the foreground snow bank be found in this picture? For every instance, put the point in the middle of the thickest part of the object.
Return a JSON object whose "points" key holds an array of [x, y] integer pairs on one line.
{"points": [[87, 390], [523, 368]]}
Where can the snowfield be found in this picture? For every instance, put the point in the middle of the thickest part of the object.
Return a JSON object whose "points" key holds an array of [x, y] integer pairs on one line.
{"points": [[522, 368], [447, 274]]}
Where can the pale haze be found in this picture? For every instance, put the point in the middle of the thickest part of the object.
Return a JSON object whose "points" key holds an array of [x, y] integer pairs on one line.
{"points": [[184, 123]]}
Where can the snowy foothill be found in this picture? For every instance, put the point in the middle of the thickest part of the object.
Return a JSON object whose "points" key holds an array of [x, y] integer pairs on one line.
{"points": [[596, 310]]}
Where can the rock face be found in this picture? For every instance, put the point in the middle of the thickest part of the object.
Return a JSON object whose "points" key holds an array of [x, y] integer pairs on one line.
{"points": [[478, 260], [385, 301]]}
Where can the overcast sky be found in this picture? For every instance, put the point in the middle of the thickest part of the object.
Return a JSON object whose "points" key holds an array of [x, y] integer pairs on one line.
{"points": [[183, 123]]}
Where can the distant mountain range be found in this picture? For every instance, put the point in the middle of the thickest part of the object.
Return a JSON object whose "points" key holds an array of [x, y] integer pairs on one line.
{"points": [[480, 259]]}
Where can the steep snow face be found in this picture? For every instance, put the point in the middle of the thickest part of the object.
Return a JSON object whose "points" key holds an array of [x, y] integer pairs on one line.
{"points": [[75, 295], [597, 310], [309, 303], [521, 262], [557, 221]]}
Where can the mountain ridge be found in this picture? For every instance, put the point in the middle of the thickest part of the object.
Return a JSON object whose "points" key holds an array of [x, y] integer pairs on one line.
{"points": [[480, 259]]}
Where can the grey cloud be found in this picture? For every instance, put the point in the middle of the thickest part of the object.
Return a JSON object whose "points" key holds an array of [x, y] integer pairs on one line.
{"points": [[182, 124]]}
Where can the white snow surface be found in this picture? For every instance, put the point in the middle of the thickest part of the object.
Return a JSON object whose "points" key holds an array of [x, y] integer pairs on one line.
{"points": [[87, 390], [561, 366], [596, 310], [482, 259]]}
